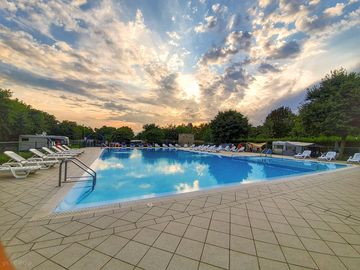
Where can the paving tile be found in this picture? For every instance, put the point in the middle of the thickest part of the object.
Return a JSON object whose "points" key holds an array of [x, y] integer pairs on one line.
{"points": [[155, 259], [351, 263], [200, 222], [176, 228], [103, 222], [93, 260], [167, 242], [47, 265], [241, 230], [132, 252], [330, 236], [190, 248], [264, 236], [298, 257], [218, 239], [115, 264], [242, 245], [343, 249], [239, 261], [181, 263], [92, 243], [70, 228], [260, 224], [220, 226], [289, 241], [269, 251], [28, 261], [112, 245], [266, 264], [305, 232], [70, 255], [241, 220], [316, 245], [327, 262], [51, 251], [205, 266], [195, 233], [216, 256], [351, 238], [146, 236]]}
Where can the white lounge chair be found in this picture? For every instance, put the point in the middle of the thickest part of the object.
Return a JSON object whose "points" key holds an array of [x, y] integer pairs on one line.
{"points": [[47, 150], [40, 154], [241, 149], [157, 145], [164, 145], [44, 164], [354, 159], [65, 147], [59, 151], [331, 155], [305, 154], [75, 151], [19, 171]]}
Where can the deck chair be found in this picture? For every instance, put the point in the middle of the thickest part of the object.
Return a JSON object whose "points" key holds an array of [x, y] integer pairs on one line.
{"points": [[354, 159], [73, 150], [57, 154], [19, 172], [59, 151], [15, 158], [331, 155], [305, 154], [40, 154]]}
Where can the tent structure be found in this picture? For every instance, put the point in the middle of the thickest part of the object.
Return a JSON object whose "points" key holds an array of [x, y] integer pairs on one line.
{"points": [[289, 148], [254, 147]]}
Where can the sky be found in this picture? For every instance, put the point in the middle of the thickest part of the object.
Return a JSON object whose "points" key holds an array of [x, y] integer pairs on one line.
{"points": [[169, 62]]}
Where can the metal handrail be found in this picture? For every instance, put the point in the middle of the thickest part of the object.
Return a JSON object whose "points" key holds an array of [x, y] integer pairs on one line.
{"points": [[79, 164]]}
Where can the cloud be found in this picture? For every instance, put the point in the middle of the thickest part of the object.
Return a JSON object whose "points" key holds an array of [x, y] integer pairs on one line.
{"points": [[233, 43], [218, 8], [266, 68], [287, 50], [210, 23], [337, 10]]}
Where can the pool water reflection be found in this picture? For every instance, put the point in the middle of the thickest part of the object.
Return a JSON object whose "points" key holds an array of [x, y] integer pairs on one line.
{"points": [[125, 175]]}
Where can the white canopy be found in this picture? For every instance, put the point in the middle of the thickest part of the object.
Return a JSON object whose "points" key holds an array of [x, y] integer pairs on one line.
{"points": [[301, 144]]}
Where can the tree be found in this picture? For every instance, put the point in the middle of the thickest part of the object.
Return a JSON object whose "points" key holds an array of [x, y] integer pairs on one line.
{"points": [[152, 133], [104, 133], [333, 106], [122, 134], [279, 122], [229, 125]]}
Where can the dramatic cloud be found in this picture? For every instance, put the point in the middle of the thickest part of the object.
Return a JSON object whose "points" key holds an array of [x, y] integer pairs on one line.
{"points": [[125, 63]]}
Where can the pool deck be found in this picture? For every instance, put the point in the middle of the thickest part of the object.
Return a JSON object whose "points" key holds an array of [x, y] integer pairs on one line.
{"points": [[312, 222]]}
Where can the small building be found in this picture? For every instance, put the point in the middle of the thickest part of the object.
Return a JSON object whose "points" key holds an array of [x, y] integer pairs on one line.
{"points": [[37, 141], [288, 148], [186, 138]]}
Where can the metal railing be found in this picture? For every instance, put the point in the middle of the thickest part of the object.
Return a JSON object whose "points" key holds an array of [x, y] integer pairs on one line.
{"points": [[80, 165]]}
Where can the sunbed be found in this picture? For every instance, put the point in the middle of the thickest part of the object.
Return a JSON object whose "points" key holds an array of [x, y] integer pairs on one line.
{"points": [[15, 158], [355, 158], [68, 149], [40, 154], [19, 171], [47, 150], [331, 155], [305, 154], [59, 151]]}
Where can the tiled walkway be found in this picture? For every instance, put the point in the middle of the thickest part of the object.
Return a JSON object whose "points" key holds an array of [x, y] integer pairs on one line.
{"points": [[309, 223]]}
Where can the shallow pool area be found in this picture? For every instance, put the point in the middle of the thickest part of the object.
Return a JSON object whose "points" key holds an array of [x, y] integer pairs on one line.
{"points": [[132, 174]]}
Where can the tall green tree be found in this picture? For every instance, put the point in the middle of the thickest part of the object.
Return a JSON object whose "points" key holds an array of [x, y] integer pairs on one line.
{"points": [[122, 134], [152, 134], [279, 122], [333, 106], [228, 126]]}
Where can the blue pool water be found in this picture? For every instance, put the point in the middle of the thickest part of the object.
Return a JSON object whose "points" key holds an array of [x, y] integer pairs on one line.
{"points": [[131, 174]]}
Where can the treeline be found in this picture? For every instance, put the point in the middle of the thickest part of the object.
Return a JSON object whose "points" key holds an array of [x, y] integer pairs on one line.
{"points": [[331, 108]]}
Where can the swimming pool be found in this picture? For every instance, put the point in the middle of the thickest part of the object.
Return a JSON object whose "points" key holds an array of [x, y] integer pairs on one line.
{"points": [[132, 174]]}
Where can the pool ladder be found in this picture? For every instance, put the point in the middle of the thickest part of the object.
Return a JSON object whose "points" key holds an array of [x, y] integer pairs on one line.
{"points": [[64, 164]]}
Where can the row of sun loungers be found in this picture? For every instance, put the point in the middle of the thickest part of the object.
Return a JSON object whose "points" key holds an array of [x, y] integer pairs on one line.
{"points": [[20, 167], [328, 156], [214, 148]]}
